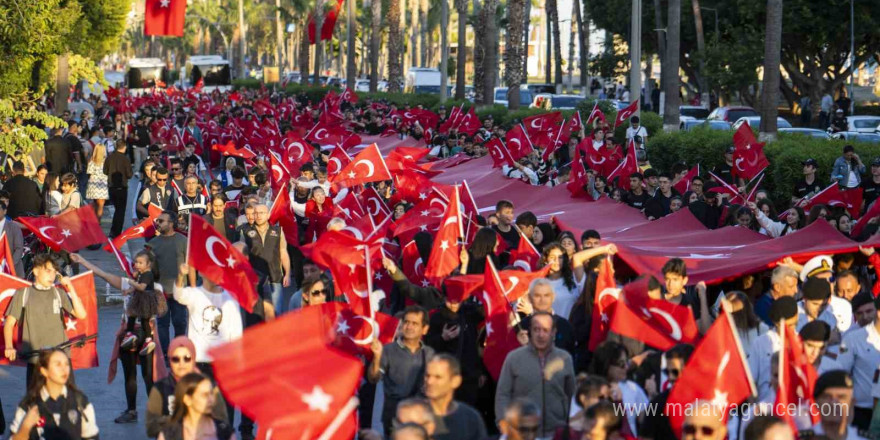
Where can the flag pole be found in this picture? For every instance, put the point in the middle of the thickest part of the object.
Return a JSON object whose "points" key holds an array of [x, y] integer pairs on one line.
{"points": [[781, 360], [728, 311]]}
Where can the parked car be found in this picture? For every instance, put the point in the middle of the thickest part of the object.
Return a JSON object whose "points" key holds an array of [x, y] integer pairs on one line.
{"points": [[692, 112], [422, 80], [363, 85], [541, 88], [755, 122], [292, 77], [863, 124], [500, 95], [731, 114], [556, 102], [873, 138], [690, 124], [812, 132]]}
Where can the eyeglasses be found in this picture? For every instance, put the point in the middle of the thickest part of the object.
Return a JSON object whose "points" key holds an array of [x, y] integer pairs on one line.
{"points": [[671, 371], [707, 431], [318, 292], [178, 359], [162, 180], [528, 429]]}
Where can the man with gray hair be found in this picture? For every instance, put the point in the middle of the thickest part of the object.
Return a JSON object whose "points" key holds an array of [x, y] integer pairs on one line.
{"points": [[783, 282], [540, 299], [336, 224], [415, 411], [521, 420], [267, 253]]}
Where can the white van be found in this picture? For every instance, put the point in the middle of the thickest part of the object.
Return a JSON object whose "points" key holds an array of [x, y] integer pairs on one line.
{"points": [[142, 74], [422, 80], [213, 69]]}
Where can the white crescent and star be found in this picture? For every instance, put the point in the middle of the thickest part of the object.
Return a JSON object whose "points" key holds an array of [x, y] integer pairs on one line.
{"points": [[374, 330], [319, 136], [209, 247], [370, 167], [44, 233], [335, 169], [675, 329]]}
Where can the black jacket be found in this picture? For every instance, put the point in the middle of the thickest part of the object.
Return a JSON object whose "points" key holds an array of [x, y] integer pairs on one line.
{"points": [[58, 151], [464, 347], [117, 167], [24, 197]]}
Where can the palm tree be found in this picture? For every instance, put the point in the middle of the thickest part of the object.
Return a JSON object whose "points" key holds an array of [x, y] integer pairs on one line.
{"points": [[304, 51], [583, 30], [701, 49], [772, 55], [479, 53], [395, 47], [527, 25], [424, 31], [319, 45], [414, 33], [490, 51], [444, 48], [553, 17], [670, 71], [461, 8], [350, 67], [375, 41], [513, 52]]}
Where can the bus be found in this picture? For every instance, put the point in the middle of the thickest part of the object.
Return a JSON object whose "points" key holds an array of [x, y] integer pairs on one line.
{"points": [[145, 73], [213, 69]]}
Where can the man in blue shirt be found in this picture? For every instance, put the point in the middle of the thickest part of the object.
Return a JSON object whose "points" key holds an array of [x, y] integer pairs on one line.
{"points": [[783, 282]]}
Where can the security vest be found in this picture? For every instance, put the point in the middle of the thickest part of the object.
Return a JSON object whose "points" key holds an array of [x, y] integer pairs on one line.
{"points": [[264, 253], [197, 205]]}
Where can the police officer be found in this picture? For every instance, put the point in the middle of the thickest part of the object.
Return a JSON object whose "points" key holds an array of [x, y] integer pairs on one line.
{"points": [[267, 253], [160, 194], [191, 201], [763, 348], [834, 396], [815, 338]]}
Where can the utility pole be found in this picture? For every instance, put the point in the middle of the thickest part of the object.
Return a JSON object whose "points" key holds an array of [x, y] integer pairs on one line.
{"points": [[242, 41], [635, 51]]}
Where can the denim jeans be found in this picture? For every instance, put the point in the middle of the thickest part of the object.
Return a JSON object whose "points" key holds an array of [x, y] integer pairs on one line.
{"points": [[176, 317]]}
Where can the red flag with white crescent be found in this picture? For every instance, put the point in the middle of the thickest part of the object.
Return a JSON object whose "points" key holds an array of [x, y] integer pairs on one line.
{"points": [[214, 257], [604, 301], [656, 322], [626, 113]]}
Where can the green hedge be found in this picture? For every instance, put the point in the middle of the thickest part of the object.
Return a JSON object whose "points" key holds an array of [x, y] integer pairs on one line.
{"points": [[706, 147]]}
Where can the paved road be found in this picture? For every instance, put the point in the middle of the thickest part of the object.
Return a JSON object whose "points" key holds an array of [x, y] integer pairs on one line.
{"points": [[108, 399]]}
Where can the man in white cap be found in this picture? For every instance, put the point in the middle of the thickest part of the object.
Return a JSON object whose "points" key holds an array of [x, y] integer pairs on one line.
{"points": [[821, 267]]}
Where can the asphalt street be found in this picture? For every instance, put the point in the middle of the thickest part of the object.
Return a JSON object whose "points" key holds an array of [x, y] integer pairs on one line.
{"points": [[108, 399]]}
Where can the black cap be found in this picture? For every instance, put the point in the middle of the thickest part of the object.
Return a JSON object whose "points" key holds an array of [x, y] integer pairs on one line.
{"points": [[861, 299], [810, 161], [783, 308], [876, 162], [816, 288], [730, 150], [816, 330], [832, 379]]}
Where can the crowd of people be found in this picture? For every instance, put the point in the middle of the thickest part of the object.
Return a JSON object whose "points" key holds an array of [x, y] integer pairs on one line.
{"points": [[430, 382]]}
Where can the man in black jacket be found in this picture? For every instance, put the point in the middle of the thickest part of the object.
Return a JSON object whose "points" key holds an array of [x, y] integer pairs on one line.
{"points": [[58, 152], [117, 167], [24, 194]]}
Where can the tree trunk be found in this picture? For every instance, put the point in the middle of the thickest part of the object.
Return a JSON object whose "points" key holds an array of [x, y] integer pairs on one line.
{"points": [[513, 52], [350, 67], [572, 27], [553, 18], [670, 71], [772, 55], [548, 31], [62, 84], [461, 58], [583, 44], [375, 40], [490, 51], [414, 38], [424, 31], [242, 32], [479, 54], [304, 47], [527, 26], [444, 49], [661, 43], [319, 45], [279, 37], [394, 47], [701, 50]]}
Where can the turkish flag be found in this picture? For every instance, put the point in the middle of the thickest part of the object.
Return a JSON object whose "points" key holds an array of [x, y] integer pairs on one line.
{"points": [[411, 153], [164, 17], [348, 94], [656, 322], [563, 135], [7, 264], [318, 382], [279, 174], [872, 212], [684, 185], [516, 282], [724, 188], [447, 249], [470, 123], [325, 133], [144, 229], [349, 206], [518, 142], [602, 159], [500, 154], [229, 149], [367, 166], [355, 332], [123, 261], [525, 256], [604, 301], [748, 153], [336, 162], [9, 285], [425, 215], [345, 254], [70, 231], [500, 333], [716, 372], [85, 355], [851, 199], [577, 177], [628, 166], [413, 266], [452, 121], [542, 123], [575, 124], [209, 253], [797, 377], [596, 113], [626, 113], [282, 214], [375, 205]]}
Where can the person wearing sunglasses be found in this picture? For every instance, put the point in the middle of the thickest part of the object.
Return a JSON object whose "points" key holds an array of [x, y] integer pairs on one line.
{"points": [[159, 194], [317, 291], [610, 360], [521, 421], [656, 425], [591, 390], [704, 422], [160, 405]]}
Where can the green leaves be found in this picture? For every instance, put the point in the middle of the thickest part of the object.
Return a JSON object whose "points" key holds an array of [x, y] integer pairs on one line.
{"points": [[16, 136]]}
